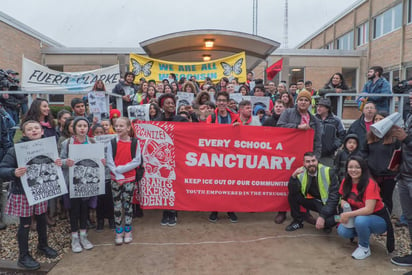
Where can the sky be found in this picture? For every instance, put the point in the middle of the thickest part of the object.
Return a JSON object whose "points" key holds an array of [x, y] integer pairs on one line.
{"points": [[126, 23]]}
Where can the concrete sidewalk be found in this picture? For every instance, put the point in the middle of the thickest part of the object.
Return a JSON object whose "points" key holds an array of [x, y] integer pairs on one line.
{"points": [[255, 245]]}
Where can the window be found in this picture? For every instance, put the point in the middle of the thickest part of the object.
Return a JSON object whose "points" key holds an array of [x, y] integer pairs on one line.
{"points": [[388, 21], [295, 74], [362, 34], [329, 46], [345, 42]]}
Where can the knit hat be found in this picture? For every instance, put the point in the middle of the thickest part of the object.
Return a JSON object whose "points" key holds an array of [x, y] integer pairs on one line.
{"points": [[304, 93], [325, 102], [114, 113], [80, 118]]}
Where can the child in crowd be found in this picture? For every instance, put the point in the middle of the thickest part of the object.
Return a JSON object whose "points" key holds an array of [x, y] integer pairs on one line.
{"points": [[104, 208], [114, 114], [350, 148], [79, 207], [17, 204], [123, 166], [108, 130]]}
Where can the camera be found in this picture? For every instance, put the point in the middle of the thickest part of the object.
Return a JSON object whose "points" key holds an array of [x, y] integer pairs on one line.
{"points": [[401, 86]]}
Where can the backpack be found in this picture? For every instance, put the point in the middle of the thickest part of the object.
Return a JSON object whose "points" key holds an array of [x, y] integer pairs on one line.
{"points": [[140, 169]]}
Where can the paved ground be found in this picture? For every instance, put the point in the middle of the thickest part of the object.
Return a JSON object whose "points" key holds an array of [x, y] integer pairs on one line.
{"points": [[255, 245]]}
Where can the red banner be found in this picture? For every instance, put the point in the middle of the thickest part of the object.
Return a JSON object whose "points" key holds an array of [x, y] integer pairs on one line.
{"points": [[274, 69], [201, 167]]}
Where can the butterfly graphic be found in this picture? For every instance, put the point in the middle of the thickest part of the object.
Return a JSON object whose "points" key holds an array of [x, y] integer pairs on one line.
{"points": [[93, 103], [137, 68], [236, 68], [91, 96]]}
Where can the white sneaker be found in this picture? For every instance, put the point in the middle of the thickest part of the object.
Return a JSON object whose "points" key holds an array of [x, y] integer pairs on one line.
{"points": [[128, 238], [76, 247], [361, 253], [118, 239], [85, 242]]}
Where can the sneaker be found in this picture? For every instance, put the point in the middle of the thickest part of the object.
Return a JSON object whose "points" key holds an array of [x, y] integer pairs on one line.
{"points": [[280, 217], [165, 218], [232, 217], [100, 226], [361, 253], [402, 261], [28, 262], [213, 217], [128, 238], [172, 219], [118, 239], [47, 251], [76, 247], [294, 225], [85, 242]]}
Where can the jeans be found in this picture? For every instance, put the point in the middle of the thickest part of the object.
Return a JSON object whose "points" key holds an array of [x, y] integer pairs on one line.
{"points": [[364, 227], [405, 195]]}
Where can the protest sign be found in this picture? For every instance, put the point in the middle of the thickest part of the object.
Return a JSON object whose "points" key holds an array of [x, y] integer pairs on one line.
{"points": [[36, 77], [139, 112], [144, 66], [260, 100], [98, 104], [184, 99], [218, 167], [87, 174], [43, 179], [236, 97]]}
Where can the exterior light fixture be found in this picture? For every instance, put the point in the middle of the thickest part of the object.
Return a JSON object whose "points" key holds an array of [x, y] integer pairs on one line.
{"points": [[206, 57], [209, 43]]}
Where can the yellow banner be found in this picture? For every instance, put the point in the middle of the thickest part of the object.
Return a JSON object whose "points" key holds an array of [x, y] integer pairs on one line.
{"points": [[149, 68]]}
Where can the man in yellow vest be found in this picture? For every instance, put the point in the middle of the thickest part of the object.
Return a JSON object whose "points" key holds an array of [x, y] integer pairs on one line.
{"points": [[314, 187]]}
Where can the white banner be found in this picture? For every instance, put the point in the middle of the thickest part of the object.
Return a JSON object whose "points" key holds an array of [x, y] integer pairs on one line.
{"points": [[36, 77], [87, 174], [43, 179]]}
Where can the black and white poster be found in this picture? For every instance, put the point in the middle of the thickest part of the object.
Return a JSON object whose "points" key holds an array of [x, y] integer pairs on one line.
{"points": [[260, 100], [87, 174], [43, 179], [236, 97], [97, 104], [139, 112], [184, 99]]}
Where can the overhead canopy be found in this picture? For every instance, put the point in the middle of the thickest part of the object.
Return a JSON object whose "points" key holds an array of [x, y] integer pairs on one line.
{"points": [[189, 46]]}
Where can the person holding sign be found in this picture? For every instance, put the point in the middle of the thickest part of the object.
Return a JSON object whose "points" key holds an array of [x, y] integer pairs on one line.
{"points": [[17, 204], [222, 115], [127, 89], [122, 164], [79, 206]]}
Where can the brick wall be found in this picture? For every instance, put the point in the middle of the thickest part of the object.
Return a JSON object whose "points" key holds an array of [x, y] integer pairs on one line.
{"points": [[345, 25], [14, 44], [385, 51], [362, 13]]}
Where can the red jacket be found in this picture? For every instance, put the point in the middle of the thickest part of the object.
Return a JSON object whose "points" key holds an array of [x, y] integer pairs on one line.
{"points": [[233, 116]]}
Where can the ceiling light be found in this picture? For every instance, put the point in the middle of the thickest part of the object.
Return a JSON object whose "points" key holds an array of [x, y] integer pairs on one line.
{"points": [[209, 43], [207, 57]]}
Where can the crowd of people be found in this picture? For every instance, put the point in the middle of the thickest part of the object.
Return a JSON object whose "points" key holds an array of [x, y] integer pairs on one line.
{"points": [[345, 179]]}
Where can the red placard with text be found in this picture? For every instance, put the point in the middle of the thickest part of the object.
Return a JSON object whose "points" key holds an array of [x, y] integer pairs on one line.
{"points": [[202, 167]]}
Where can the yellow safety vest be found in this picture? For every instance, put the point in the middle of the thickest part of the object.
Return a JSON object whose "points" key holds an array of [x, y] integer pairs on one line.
{"points": [[323, 182]]}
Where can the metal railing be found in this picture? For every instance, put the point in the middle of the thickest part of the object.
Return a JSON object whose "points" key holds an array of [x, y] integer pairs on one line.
{"points": [[393, 103], [118, 98]]}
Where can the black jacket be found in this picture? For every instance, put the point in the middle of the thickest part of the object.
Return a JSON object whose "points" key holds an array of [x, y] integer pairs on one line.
{"points": [[7, 168], [333, 134], [271, 121], [343, 155], [379, 156], [330, 207], [358, 127]]}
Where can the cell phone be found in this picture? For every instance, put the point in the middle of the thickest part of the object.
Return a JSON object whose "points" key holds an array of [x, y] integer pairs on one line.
{"points": [[337, 218]]}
